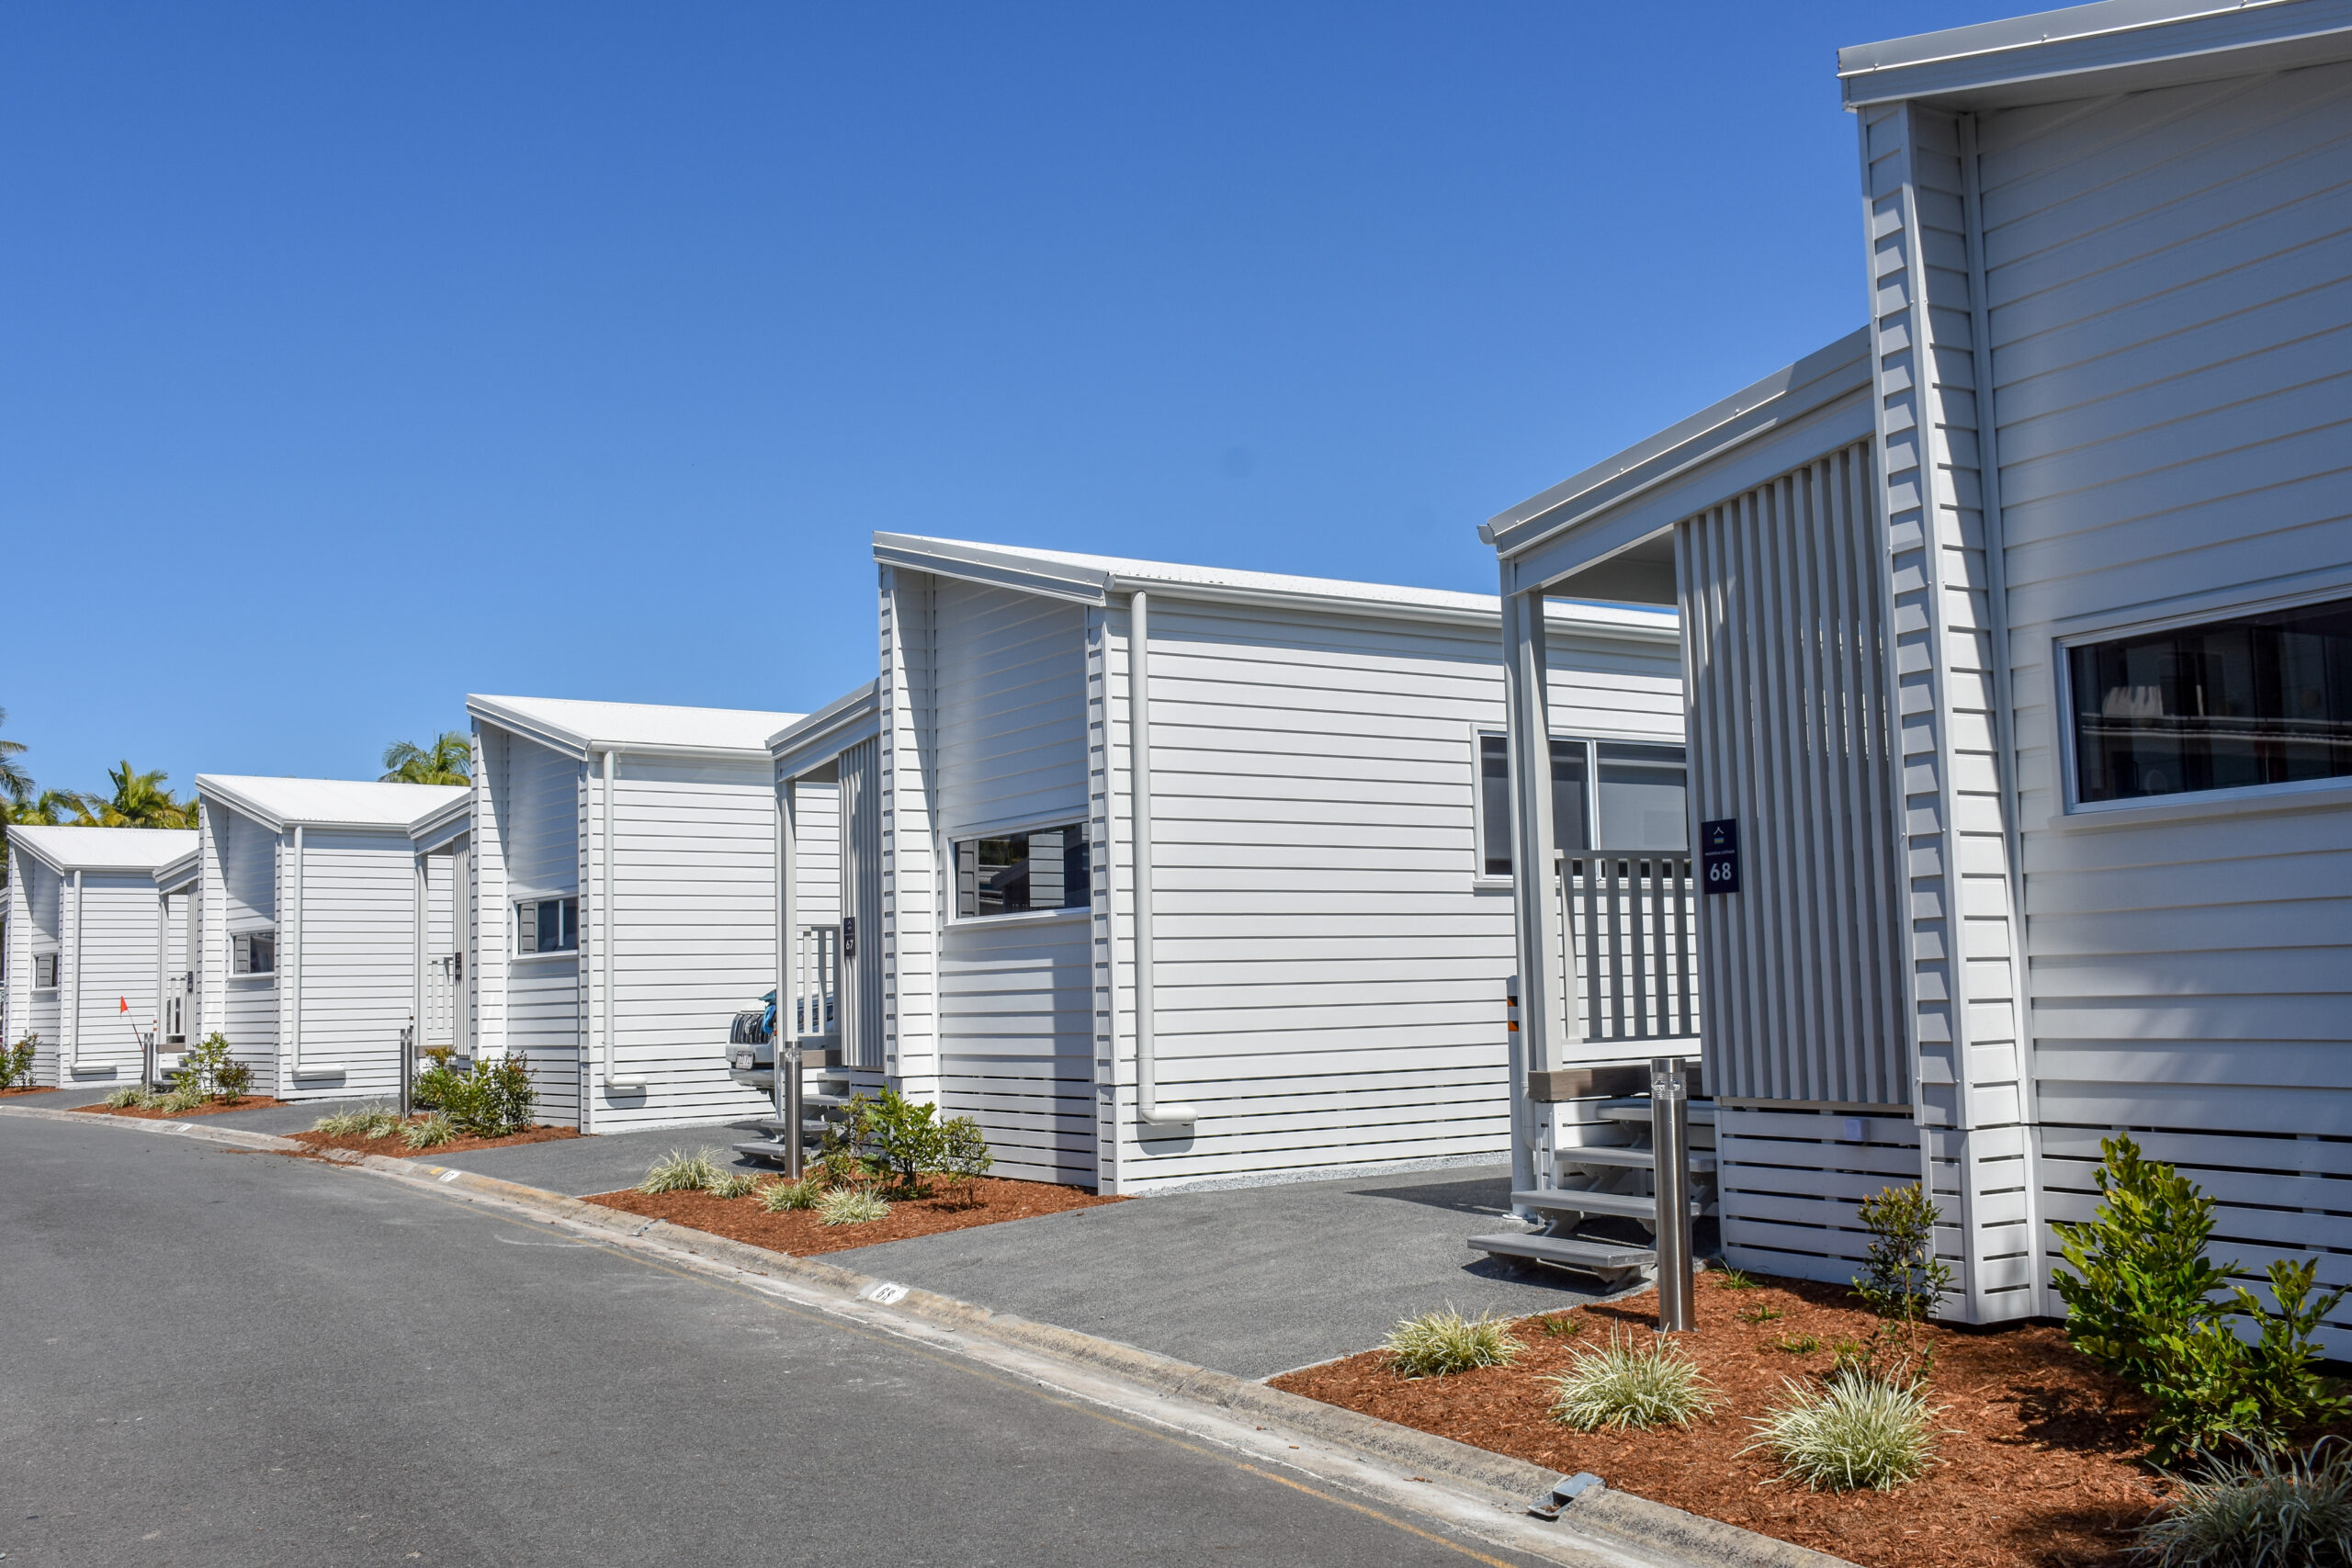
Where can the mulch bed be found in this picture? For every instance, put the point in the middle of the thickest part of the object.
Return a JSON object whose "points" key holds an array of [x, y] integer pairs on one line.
{"points": [[2043, 1465], [392, 1147], [210, 1108], [30, 1089], [798, 1231]]}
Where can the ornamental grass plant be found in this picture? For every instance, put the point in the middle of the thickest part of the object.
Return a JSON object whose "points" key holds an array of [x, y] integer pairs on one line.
{"points": [[678, 1171], [2260, 1510], [1626, 1383], [1856, 1430], [364, 1122], [782, 1196], [429, 1131], [734, 1184], [1437, 1344], [851, 1206]]}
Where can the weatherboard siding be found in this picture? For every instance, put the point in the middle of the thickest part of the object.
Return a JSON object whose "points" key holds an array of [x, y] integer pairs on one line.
{"points": [[910, 874], [112, 963], [33, 920], [351, 958], [1331, 965], [693, 904], [2169, 291]]}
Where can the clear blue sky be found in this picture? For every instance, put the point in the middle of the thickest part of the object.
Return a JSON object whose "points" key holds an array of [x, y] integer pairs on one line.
{"points": [[357, 356]]}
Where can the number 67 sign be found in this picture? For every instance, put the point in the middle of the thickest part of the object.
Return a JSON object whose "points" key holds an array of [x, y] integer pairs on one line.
{"points": [[1719, 855]]}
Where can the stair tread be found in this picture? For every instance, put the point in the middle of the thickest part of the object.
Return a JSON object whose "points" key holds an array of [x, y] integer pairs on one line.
{"points": [[1627, 1156], [763, 1148], [1575, 1250], [1627, 1205], [1703, 1115]]}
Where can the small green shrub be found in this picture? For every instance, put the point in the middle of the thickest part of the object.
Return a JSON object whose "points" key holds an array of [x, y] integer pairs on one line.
{"points": [[1728, 1278], [1630, 1385], [851, 1206], [678, 1171], [200, 1067], [233, 1080], [16, 1061], [1854, 1431], [2143, 1303], [440, 1055], [2260, 1510], [1438, 1343], [904, 1141], [436, 1083], [493, 1101], [734, 1184], [429, 1131], [963, 1156], [780, 1196], [1903, 1280]]}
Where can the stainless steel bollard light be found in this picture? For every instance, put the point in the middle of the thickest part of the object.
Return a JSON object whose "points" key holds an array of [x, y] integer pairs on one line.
{"points": [[408, 1068], [1670, 1149], [787, 1066]]}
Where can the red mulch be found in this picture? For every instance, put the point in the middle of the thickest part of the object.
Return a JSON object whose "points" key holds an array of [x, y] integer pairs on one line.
{"points": [[2041, 1461], [30, 1089], [798, 1231], [392, 1147], [210, 1108]]}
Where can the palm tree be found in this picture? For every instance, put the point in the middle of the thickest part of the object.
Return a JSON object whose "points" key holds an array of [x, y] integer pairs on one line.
{"points": [[50, 809], [447, 763], [140, 800], [15, 783]]}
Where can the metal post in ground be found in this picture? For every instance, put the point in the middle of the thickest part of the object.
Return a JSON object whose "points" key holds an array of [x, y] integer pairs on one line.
{"points": [[408, 1067], [787, 1065], [1670, 1149]]}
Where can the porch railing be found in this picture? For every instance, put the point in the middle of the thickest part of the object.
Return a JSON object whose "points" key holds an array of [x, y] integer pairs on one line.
{"points": [[1630, 918], [814, 1007]]}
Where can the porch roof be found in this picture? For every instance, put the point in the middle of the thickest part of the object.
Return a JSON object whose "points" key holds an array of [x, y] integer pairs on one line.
{"points": [[825, 734], [175, 874], [1605, 526], [280, 804], [442, 823], [2113, 46]]}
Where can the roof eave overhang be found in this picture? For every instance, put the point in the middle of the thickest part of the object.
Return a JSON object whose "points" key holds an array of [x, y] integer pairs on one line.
{"points": [[436, 827], [1816, 405], [211, 789], [580, 748], [844, 722], [1007, 571], [2084, 51], [173, 876]]}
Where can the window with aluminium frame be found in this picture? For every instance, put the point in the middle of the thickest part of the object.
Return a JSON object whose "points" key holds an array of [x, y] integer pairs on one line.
{"points": [[547, 925], [1606, 795], [1031, 870]]}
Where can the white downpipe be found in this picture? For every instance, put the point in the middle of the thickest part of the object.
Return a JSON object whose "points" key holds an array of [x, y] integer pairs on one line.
{"points": [[290, 946], [1148, 1107], [605, 959], [73, 1035]]}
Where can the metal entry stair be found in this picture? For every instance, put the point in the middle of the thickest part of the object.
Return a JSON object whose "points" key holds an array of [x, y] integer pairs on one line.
{"points": [[824, 1098], [1611, 1179]]}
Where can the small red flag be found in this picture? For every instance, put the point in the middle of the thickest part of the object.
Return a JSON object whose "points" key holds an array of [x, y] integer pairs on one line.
{"points": [[126, 1003]]}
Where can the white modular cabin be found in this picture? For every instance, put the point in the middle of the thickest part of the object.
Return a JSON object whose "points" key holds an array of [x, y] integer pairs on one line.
{"points": [[623, 858], [84, 925], [307, 930], [441, 1008], [1323, 919], [2020, 632], [179, 890]]}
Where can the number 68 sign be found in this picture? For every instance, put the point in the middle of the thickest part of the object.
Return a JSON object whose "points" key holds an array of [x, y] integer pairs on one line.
{"points": [[1719, 855]]}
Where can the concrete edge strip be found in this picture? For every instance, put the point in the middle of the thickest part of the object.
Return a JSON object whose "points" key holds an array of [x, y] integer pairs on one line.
{"points": [[1658, 1532]]}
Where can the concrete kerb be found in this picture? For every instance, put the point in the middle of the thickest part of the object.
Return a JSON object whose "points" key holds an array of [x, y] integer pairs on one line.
{"points": [[1489, 1492]]}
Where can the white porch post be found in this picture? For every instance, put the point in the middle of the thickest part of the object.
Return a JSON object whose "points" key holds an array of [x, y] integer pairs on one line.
{"points": [[1543, 986]]}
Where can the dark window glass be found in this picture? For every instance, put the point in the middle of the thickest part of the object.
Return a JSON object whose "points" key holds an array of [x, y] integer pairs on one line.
{"points": [[262, 953], [1044, 868], [2261, 699], [1570, 815], [547, 925], [1642, 804]]}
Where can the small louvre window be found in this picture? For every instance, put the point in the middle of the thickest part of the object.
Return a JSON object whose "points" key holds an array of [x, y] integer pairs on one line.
{"points": [[44, 971], [253, 953], [1010, 874], [547, 925]]}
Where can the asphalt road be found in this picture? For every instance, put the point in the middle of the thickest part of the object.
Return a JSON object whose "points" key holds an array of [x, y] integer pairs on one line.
{"points": [[241, 1359]]}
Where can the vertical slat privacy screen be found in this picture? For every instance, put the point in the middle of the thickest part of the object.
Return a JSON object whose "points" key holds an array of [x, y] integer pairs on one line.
{"points": [[1785, 633], [861, 830]]}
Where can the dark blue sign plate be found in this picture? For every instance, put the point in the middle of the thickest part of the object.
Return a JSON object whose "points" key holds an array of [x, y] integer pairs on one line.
{"points": [[1719, 855]]}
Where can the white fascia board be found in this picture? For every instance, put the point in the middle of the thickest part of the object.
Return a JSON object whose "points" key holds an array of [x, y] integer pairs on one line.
{"points": [[1001, 568], [580, 748], [841, 724], [437, 827], [173, 876], [2090, 51], [212, 789], [212, 792], [1837, 371]]}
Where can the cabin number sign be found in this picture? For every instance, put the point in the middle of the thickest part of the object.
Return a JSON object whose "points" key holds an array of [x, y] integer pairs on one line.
{"points": [[1719, 855]]}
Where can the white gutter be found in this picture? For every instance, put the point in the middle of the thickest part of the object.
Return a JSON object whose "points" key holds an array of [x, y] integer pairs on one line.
{"points": [[1148, 1107], [604, 916]]}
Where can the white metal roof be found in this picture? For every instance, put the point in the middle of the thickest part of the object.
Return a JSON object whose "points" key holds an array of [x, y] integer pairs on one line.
{"points": [[442, 823], [2112, 46], [105, 849], [831, 731], [1093, 579], [178, 873], [581, 727], [327, 802]]}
